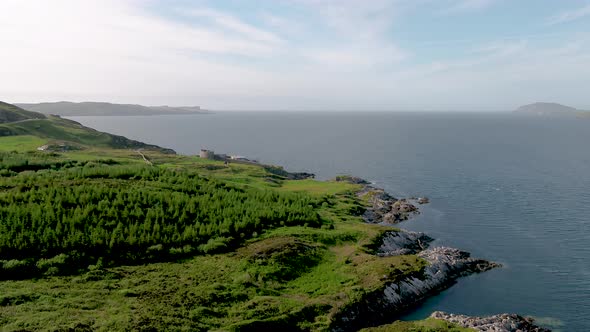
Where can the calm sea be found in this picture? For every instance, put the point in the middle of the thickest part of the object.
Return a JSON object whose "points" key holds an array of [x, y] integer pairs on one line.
{"points": [[511, 189]]}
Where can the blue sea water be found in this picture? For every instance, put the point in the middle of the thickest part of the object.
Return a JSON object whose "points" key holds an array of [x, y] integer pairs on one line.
{"points": [[507, 188]]}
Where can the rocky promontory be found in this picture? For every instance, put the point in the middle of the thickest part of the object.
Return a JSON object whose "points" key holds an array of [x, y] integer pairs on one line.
{"points": [[382, 207], [443, 267], [496, 323]]}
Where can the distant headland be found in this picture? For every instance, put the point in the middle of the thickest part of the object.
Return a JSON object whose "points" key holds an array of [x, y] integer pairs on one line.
{"points": [[66, 108], [550, 109]]}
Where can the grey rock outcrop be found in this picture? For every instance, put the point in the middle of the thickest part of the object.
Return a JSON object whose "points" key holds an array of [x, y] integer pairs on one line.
{"points": [[402, 242], [423, 200], [444, 267], [385, 208], [496, 323], [351, 179]]}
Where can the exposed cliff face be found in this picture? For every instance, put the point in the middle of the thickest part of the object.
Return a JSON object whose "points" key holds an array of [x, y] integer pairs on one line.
{"points": [[496, 323], [445, 266]]}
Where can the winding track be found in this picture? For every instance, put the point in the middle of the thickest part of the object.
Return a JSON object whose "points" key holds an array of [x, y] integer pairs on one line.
{"points": [[147, 161]]}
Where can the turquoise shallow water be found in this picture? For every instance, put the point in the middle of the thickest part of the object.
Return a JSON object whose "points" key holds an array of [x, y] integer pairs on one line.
{"points": [[511, 189]]}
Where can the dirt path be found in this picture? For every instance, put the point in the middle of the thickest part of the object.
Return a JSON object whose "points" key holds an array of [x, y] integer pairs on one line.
{"points": [[147, 161]]}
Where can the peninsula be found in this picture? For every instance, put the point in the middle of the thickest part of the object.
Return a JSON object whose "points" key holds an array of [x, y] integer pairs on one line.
{"points": [[65, 108], [103, 233]]}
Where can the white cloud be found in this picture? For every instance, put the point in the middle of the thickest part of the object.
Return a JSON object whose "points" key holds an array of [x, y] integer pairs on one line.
{"points": [[233, 24], [461, 6], [113, 48], [286, 26], [570, 15], [345, 58], [502, 48], [361, 33]]}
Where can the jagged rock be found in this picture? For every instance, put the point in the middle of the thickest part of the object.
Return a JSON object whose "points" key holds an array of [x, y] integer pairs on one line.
{"points": [[300, 176], [496, 323], [280, 171], [389, 210], [403, 243], [403, 206], [383, 208], [444, 267], [423, 200], [350, 179], [386, 208]]}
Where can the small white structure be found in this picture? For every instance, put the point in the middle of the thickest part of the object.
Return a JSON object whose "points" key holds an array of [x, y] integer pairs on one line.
{"points": [[207, 154]]}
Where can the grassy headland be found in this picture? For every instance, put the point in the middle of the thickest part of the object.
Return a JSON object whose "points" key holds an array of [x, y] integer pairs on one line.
{"points": [[96, 239]]}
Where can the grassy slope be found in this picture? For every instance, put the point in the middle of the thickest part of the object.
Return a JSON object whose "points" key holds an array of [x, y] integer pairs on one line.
{"points": [[285, 278], [57, 129], [21, 143], [15, 121], [11, 113], [427, 325]]}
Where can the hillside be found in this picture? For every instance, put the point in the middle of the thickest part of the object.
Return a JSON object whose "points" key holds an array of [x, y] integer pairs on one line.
{"points": [[65, 108], [553, 109], [17, 122], [106, 243], [12, 113]]}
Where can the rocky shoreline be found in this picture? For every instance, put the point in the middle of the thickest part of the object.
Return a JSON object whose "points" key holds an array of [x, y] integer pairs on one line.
{"points": [[496, 323], [384, 208], [444, 266]]}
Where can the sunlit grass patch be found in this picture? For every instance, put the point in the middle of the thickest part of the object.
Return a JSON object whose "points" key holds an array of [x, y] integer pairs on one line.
{"points": [[21, 143]]}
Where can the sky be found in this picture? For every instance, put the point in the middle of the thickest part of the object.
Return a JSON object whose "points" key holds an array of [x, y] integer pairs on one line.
{"points": [[401, 55]]}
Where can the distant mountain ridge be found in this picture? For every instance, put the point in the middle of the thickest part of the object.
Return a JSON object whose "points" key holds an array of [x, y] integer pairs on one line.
{"points": [[553, 109], [66, 108]]}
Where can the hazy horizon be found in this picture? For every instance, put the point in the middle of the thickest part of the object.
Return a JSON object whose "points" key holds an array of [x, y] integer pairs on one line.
{"points": [[311, 55], [278, 109]]}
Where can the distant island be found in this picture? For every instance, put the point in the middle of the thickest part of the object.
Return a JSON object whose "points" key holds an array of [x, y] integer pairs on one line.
{"points": [[65, 108], [550, 109]]}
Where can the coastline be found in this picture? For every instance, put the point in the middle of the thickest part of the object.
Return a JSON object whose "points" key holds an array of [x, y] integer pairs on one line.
{"points": [[445, 266], [388, 291], [399, 268]]}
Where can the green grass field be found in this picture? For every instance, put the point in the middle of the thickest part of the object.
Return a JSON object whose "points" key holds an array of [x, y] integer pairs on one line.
{"points": [[427, 325], [319, 187], [21, 143], [292, 278]]}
